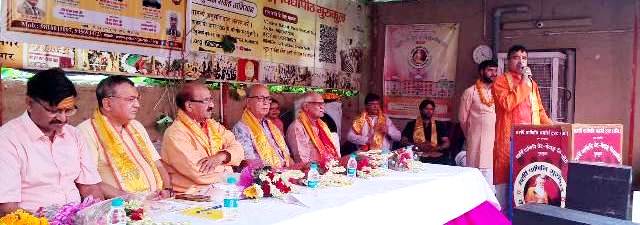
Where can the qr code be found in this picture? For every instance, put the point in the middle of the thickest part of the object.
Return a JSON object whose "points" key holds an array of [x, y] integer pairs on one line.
{"points": [[328, 43]]}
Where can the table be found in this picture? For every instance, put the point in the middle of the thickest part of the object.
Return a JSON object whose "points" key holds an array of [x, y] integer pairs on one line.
{"points": [[435, 195]]}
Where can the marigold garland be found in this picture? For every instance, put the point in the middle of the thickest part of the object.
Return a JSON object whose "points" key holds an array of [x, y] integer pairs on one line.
{"points": [[483, 99], [21, 217]]}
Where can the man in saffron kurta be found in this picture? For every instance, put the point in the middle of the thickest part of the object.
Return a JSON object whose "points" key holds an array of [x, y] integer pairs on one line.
{"points": [[372, 129], [261, 139], [518, 101], [478, 120], [197, 150], [43, 160], [309, 137], [126, 158]]}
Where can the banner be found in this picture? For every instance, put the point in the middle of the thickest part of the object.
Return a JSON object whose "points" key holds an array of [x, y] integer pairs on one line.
{"points": [[419, 62], [311, 43], [11, 54], [539, 162], [597, 143], [150, 23]]}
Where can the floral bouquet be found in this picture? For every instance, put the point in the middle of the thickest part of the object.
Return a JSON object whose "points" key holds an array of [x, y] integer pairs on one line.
{"points": [[334, 175], [96, 214], [259, 182], [402, 159], [66, 214], [21, 217]]}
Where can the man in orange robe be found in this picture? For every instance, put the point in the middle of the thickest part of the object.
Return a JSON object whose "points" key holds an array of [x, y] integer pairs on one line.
{"points": [[517, 100]]}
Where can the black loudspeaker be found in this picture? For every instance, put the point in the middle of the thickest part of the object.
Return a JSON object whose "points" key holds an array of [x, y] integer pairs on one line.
{"points": [[541, 214], [598, 188]]}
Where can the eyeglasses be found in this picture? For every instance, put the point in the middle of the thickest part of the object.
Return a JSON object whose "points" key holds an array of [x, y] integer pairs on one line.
{"points": [[316, 103], [265, 99], [203, 101], [54, 112], [129, 100]]}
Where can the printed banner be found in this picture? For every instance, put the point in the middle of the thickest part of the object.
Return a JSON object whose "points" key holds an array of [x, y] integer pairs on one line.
{"points": [[597, 143], [419, 62], [539, 160], [11, 54], [311, 43], [150, 23]]}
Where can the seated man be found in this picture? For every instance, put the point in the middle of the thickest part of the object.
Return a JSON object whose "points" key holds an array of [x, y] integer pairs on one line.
{"points": [[309, 138], [126, 158], [372, 129], [197, 150], [416, 132], [44, 161], [261, 138]]}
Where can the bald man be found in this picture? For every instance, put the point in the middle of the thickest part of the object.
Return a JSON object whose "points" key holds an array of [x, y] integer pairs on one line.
{"points": [[261, 139], [197, 150], [309, 138]]}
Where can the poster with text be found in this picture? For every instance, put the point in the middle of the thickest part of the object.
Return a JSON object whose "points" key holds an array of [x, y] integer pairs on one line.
{"points": [[150, 23], [539, 160], [419, 62], [597, 143]]}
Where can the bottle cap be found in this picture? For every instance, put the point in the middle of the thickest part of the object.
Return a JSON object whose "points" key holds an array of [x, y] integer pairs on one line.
{"points": [[117, 202]]}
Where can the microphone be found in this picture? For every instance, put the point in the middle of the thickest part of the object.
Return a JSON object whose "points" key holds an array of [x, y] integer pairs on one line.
{"points": [[526, 71]]}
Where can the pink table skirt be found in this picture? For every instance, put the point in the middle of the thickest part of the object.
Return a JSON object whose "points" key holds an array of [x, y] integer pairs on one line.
{"points": [[483, 214]]}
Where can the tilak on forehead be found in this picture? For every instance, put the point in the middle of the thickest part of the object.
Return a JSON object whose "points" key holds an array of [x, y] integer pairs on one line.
{"points": [[68, 102]]}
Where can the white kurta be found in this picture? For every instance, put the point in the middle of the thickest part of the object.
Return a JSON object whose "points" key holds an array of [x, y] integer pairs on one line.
{"points": [[478, 123]]}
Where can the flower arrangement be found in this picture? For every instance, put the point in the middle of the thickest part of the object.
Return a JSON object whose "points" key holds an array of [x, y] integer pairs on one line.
{"points": [[135, 214], [401, 159], [66, 214], [21, 217], [334, 175], [260, 182]]}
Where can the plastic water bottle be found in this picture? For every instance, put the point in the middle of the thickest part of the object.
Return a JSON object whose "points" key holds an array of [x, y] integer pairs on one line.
{"points": [[313, 176], [385, 159], [231, 198], [117, 215], [352, 166]]}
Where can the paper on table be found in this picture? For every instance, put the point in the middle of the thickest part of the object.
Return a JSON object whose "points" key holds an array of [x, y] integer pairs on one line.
{"points": [[291, 199]]}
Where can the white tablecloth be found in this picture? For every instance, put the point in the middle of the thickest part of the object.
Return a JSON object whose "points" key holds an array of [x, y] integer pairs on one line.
{"points": [[434, 196]]}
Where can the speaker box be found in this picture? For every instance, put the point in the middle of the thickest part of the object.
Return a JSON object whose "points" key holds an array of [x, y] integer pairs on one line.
{"points": [[598, 188], [541, 214]]}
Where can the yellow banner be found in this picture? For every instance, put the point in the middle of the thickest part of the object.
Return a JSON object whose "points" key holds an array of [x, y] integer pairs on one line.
{"points": [[11, 54], [150, 23]]}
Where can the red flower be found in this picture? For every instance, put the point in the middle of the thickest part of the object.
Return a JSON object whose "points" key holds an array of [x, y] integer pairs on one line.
{"points": [[266, 189], [363, 161], [282, 187], [364, 147], [271, 175], [137, 214]]}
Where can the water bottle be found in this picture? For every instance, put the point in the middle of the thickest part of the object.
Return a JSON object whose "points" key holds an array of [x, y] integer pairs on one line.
{"points": [[117, 215], [231, 195], [313, 176], [352, 166], [384, 164]]}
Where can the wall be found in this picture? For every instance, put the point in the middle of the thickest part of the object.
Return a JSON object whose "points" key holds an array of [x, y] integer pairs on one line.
{"points": [[603, 50]]}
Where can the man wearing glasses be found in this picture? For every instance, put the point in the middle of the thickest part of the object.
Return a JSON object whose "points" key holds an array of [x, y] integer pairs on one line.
{"points": [[197, 150], [126, 158], [260, 137], [43, 160], [309, 137]]}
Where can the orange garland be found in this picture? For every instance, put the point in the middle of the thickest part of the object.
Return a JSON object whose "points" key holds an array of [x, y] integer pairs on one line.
{"points": [[483, 99]]}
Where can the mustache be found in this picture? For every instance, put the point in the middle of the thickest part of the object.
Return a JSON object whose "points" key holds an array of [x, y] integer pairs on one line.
{"points": [[56, 122]]}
